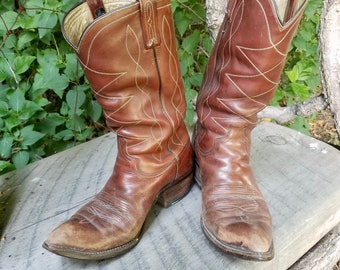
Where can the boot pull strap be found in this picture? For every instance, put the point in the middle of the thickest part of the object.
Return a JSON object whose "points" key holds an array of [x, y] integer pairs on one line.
{"points": [[149, 21], [148, 9], [96, 7]]}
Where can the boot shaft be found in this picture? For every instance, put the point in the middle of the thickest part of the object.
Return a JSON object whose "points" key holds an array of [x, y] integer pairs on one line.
{"points": [[129, 57], [247, 61]]}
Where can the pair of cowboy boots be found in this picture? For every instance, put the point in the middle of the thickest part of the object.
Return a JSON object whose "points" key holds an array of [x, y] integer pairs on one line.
{"points": [[128, 52]]}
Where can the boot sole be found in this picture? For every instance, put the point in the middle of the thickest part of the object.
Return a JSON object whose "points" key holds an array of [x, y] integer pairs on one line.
{"points": [[91, 255]]}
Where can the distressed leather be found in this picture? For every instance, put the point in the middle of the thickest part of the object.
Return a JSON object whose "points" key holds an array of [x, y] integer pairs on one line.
{"points": [[137, 80], [241, 77]]}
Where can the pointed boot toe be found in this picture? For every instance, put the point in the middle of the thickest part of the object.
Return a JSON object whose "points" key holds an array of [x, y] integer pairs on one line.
{"points": [[250, 241], [90, 239], [81, 241], [66, 239], [62, 238]]}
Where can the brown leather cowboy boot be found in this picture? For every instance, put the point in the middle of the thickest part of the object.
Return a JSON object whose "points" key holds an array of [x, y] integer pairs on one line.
{"points": [[242, 74], [129, 57]]}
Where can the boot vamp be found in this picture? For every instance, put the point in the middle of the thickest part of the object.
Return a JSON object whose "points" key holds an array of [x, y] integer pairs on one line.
{"points": [[113, 218]]}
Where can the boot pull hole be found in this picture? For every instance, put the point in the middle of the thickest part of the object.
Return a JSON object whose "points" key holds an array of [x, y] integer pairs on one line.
{"points": [[99, 12]]}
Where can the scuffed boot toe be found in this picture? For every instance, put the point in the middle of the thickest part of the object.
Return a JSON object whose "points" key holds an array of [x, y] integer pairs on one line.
{"points": [[72, 239], [84, 241], [249, 241]]}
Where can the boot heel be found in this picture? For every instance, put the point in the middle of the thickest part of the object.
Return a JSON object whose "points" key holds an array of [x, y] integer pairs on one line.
{"points": [[176, 192]]}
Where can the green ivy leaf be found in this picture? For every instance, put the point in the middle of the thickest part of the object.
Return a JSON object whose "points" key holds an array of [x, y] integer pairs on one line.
{"points": [[50, 79], [292, 75], [28, 110], [25, 38], [12, 121], [6, 5], [34, 4], [94, 110], [76, 123], [23, 63], [301, 90], [8, 20], [64, 108], [64, 135], [182, 23], [3, 108], [300, 124], [196, 79], [190, 94], [6, 66], [49, 124], [11, 41], [47, 58], [300, 42], [48, 76], [84, 135], [56, 119], [186, 62], [174, 5], [17, 100], [6, 146], [73, 69], [26, 20], [190, 42], [29, 136], [46, 21], [207, 44], [75, 98], [5, 166], [313, 7], [41, 101], [20, 159]]}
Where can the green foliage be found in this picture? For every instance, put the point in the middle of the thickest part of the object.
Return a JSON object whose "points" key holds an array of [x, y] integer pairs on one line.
{"points": [[301, 76], [300, 124], [45, 102], [194, 47]]}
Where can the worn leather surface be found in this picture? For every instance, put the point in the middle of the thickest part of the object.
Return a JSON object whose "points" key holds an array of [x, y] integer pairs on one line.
{"points": [[137, 81], [241, 77]]}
